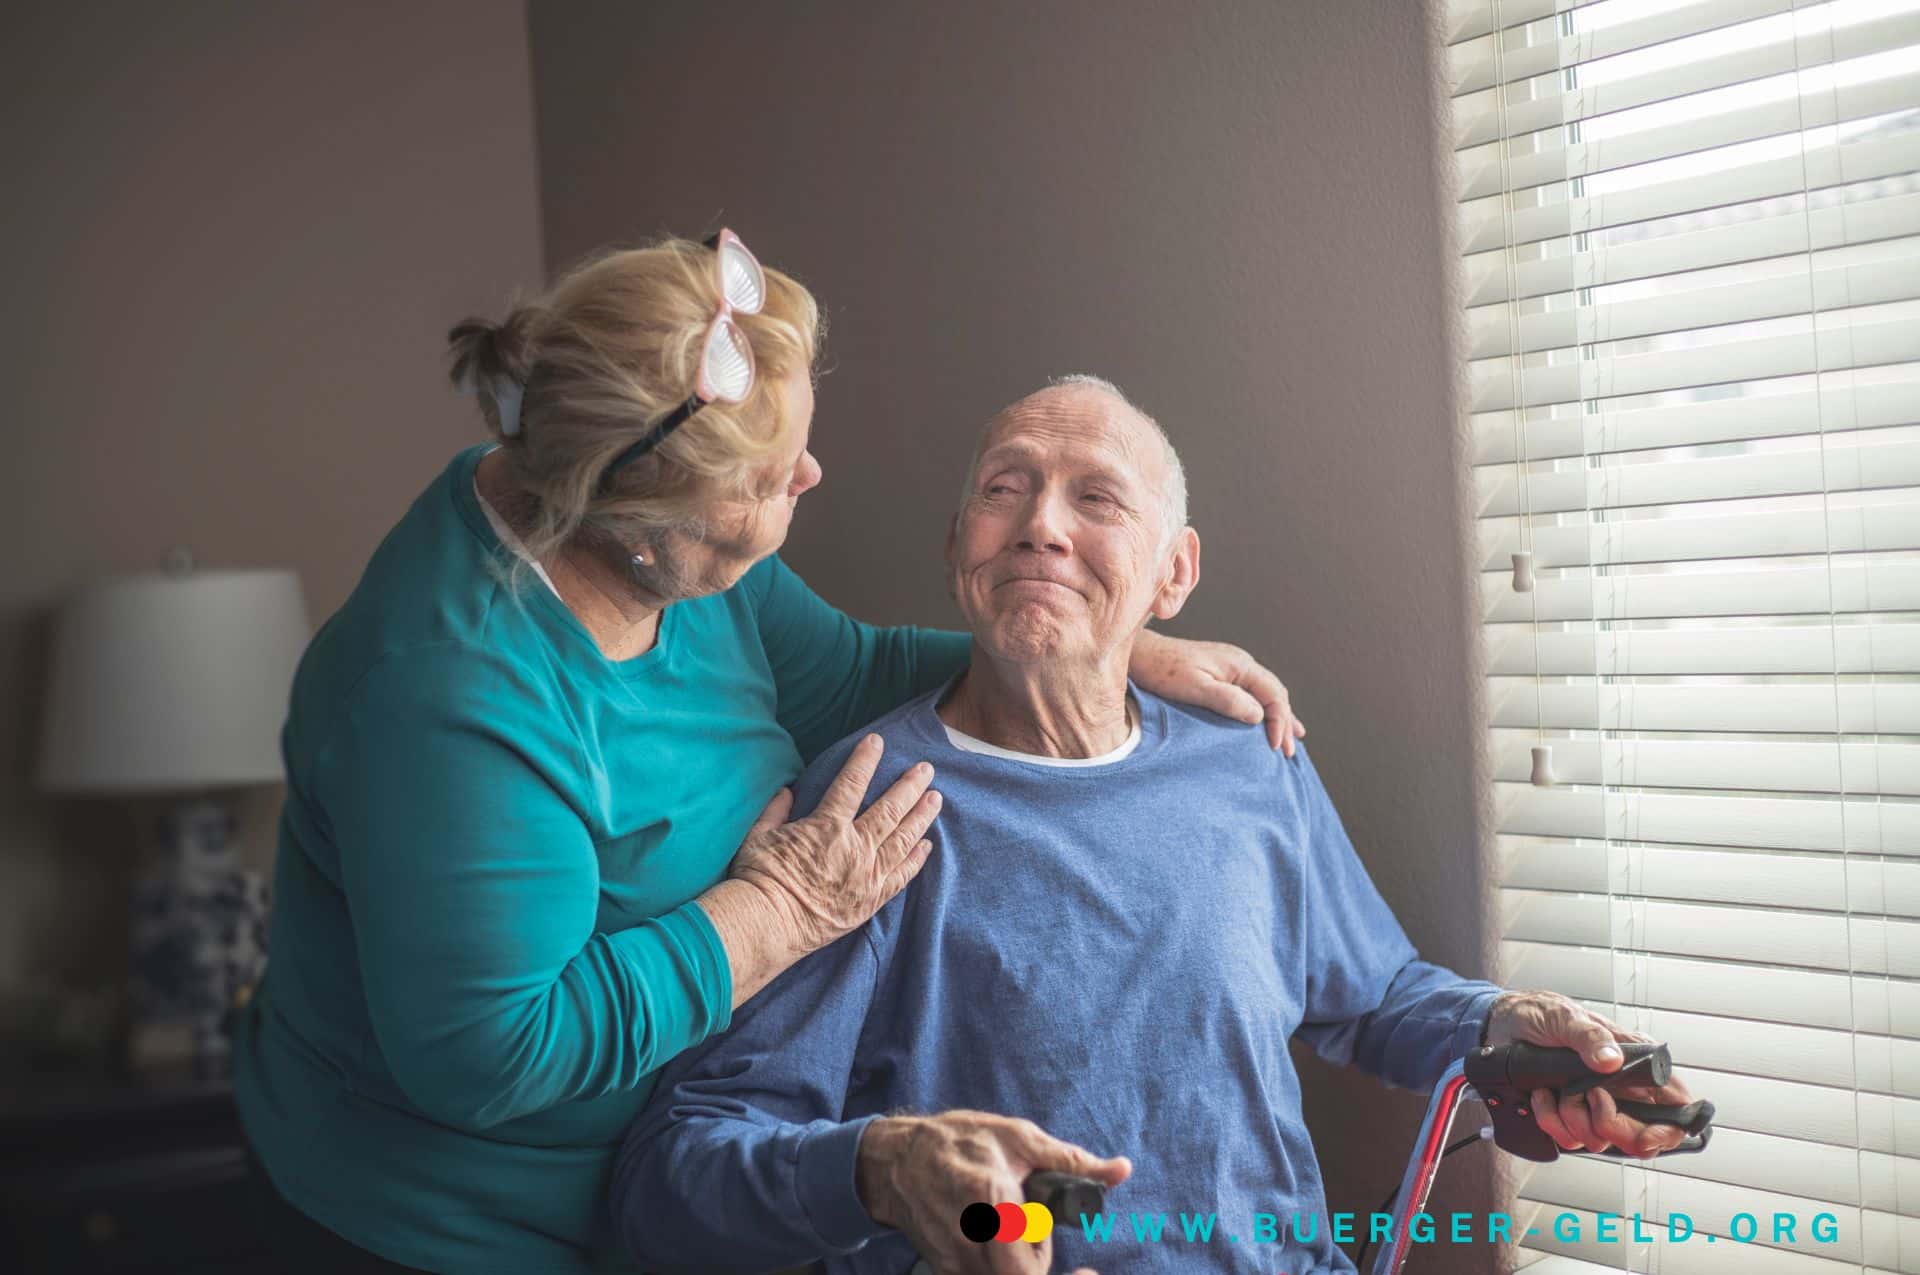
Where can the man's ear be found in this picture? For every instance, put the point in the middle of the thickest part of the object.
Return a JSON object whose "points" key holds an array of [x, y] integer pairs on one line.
{"points": [[1184, 575]]}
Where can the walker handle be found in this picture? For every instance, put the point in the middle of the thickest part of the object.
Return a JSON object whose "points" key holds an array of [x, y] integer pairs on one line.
{"points": [[1505, 1077], [1066, 1195], [1532, 1066]]}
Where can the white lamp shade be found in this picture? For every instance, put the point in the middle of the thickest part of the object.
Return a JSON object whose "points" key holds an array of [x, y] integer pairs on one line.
{"points": [[172, 681]]}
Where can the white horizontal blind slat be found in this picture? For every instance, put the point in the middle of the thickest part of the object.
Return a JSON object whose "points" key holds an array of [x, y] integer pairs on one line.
{"points": [[1855, 344], [1762, 648], [1777, 879], [1873, 1068], [1828, 1115], [1853, 462], [1754, 232], [1831, 403], [1848, 586], [1537, 48], [1861, 826], [1873, 274], [1546, 157], [1809, 706], [1530, 106], [1555, 212], [1863, 769], [1466, 19], [1880, 1016], [1765, 533], [1721, 932], [1691, 244]]}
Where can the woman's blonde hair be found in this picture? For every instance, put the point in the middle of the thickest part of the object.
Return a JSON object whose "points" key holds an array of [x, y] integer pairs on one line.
{"points": [[611, 348]]}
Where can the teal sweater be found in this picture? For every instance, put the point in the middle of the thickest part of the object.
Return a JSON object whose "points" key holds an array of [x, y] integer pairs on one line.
{"points": [[484, 943]]}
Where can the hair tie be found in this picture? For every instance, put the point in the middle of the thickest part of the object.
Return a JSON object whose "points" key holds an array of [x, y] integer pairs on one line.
{"points": [[507, 394]]}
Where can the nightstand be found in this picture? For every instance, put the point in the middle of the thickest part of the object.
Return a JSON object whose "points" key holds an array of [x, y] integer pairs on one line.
{"points": [[124, 1172]]}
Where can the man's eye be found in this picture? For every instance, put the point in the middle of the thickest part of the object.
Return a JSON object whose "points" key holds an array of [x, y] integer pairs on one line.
{"points": [[998, 489]]}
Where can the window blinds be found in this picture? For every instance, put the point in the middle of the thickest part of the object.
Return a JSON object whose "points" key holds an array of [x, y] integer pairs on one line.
{"points": [[1691, 238]]}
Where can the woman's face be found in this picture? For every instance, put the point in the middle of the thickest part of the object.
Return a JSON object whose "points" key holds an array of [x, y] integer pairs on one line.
{"points": [[741, 532]]}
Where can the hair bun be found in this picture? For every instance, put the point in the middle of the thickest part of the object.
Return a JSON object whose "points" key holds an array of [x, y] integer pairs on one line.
{"points": [[493, 360]]}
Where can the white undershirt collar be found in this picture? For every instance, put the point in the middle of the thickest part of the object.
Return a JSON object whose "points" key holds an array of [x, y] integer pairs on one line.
{"points": [[968, 744], [510, 540]]}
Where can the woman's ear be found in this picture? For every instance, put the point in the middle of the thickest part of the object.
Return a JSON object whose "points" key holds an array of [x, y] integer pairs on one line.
{"points": [[1183, 575]]}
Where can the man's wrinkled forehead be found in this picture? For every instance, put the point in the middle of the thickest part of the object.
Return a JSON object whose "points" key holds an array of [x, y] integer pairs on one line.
{"points": [[1085, 427]]}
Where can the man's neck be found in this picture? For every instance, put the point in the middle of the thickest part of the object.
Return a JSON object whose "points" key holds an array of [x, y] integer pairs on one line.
{"points": [[1041, 710]]}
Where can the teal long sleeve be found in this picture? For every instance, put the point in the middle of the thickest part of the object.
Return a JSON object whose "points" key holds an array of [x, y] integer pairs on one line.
{"points": [[836, 674], [491, 989], [485, 941]]}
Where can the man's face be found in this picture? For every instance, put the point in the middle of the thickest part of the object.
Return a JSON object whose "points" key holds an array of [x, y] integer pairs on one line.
{"points": [[1057, 552]]}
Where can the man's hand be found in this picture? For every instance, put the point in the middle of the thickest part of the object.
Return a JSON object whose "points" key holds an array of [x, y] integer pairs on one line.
{"points": [[919, 1173], [1589, 1121], [1217, 676]]}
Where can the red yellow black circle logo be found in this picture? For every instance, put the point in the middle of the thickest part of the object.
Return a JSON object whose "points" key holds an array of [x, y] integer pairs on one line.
{"points": [[1006, 1222]]}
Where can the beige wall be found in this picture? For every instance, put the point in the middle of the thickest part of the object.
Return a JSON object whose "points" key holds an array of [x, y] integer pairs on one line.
{"points": [[236, 233], [1231, 209], [233, 237]]}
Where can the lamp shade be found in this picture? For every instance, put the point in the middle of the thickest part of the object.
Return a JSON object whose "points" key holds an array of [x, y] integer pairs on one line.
{"points": [[172, 680]]}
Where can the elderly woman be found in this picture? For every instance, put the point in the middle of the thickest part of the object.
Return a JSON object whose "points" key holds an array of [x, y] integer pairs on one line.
{"points": [[528, 853]]}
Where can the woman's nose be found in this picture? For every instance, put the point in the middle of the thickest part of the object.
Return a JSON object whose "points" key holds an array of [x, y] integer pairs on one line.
{"points": [[806, 476]]}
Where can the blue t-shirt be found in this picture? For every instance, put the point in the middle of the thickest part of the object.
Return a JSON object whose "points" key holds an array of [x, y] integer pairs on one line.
{"points": [[1117, 952], [484, 942]]}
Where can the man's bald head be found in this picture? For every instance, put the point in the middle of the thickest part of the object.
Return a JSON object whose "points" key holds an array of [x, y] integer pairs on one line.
{"points": [[1172, 479]]}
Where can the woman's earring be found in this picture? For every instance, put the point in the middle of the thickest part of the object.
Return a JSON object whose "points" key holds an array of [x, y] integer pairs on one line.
{"points": [[639, 559]]}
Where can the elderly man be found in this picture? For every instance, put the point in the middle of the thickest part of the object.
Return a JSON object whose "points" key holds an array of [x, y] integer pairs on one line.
{"points": [[1129, 909]]}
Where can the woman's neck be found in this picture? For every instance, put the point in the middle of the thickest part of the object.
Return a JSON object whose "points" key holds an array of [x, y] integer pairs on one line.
{"points": [[602, 599], [1039, 710], [621, 620]]}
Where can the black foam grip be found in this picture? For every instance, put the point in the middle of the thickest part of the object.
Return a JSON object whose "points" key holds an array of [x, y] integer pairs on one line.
{"points": [[1537, 1067], [1066, 1195]]}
